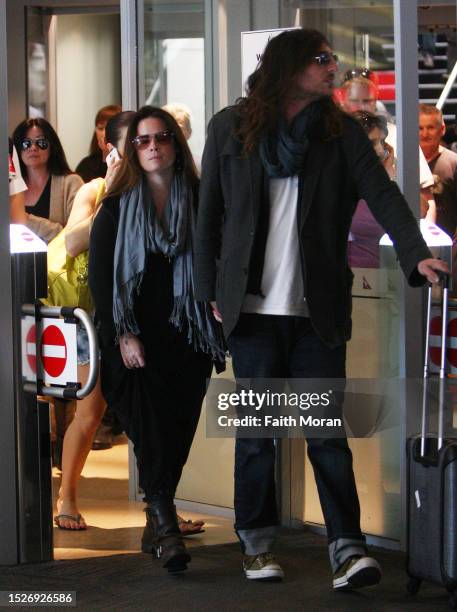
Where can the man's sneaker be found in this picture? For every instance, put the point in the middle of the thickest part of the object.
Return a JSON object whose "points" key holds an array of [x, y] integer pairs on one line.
{"points": [[357, 572], [262, 567]]}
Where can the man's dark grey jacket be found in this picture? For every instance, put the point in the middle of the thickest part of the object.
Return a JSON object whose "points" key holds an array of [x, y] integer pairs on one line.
{"points": [[337, 173]]}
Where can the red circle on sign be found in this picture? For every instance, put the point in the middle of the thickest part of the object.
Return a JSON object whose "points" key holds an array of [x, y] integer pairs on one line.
{"points": [[435, 330], [31, 356], [53, 351], [452, 333]]}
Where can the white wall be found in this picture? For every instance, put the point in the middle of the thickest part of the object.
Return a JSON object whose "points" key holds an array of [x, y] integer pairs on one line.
{"points": [[184, 59], [88, 76]]}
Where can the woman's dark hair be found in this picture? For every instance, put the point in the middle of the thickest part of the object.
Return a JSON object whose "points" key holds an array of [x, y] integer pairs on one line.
{"points": [[285, 56], [130, 172], [115, 125], [102, 116], [57, 162], [369, 121]]}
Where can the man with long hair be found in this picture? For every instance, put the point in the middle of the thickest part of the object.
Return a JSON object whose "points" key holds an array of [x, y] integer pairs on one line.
{"points": [[282, 172]]}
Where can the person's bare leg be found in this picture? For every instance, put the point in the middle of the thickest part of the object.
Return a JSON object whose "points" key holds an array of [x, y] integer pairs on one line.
{"points": [[76, 447]]}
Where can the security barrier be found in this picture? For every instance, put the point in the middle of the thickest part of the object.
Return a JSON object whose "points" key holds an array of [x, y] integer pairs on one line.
{"points": [[49, 351]]}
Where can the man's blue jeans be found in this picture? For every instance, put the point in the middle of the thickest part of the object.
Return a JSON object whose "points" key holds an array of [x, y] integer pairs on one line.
{"points": [[272, 346]]}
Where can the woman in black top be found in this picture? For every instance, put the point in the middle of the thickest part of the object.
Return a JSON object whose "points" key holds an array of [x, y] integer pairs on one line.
{"points": [[157, 342]]}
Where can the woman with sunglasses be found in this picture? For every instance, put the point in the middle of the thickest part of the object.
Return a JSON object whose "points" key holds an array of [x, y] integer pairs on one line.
{"points": [[51, 186], [157, 343]]}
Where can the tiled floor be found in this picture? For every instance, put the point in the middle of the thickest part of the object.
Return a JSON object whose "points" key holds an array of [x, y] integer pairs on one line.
{"points": [[115, 523]]}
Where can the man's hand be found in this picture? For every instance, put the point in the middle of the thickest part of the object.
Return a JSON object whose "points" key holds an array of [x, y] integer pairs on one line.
{"points": [[427, 268], [217, 315], [132, 351]]}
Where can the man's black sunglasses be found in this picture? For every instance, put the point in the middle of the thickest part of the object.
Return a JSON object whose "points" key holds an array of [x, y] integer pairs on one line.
{"points": [[325, 58]]}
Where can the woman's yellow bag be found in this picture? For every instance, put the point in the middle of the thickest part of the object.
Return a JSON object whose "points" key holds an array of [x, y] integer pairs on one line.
{"points": [[68, 277]]}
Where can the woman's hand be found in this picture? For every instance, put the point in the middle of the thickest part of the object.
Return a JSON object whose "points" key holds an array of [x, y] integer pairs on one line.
{"points": [[389, 161], [216, 314], [132, 351], [111, 173]]}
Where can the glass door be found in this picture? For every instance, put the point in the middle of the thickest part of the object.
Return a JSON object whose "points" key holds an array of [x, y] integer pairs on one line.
{"points": [[362, 35], [174, 62], [174, 75]]}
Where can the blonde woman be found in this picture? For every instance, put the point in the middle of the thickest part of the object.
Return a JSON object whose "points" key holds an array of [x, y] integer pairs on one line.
{"points": [[89, 411]]}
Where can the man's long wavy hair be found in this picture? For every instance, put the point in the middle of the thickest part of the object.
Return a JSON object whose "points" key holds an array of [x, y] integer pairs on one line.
{"points": [[285, 56], [130, 172]]}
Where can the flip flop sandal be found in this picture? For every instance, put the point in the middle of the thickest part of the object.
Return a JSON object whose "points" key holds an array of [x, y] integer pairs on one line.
{"points": [[75, 518], [189, 532]]}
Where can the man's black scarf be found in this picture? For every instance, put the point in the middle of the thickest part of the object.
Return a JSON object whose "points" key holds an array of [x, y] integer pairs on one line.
{"points": [[283, 151]]}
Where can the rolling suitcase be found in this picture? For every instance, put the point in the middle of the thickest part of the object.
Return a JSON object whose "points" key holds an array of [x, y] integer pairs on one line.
{"points": [[432, 488]]}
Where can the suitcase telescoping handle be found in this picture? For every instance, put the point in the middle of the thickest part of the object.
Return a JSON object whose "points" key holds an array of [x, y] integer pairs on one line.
{"points": [[444, 279]]}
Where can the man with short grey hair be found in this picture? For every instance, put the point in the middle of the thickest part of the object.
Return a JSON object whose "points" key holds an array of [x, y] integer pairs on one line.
{"points": [[443, 164]]}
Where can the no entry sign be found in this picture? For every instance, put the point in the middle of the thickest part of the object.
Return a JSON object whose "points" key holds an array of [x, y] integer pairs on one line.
{"points": [[451, 344], [57, 351], [28, 343], [31, 347], [53, 349]]}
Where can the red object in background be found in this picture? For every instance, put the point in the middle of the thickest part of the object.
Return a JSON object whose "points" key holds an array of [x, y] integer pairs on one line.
{"points": [[452, 336], [338, 96], [11, 168], [386, 85], [31, 348], [435, 349], [435, 342]]}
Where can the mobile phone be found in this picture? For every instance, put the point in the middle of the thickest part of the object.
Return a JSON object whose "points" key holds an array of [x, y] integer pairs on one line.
{"points": [[113, 156]]}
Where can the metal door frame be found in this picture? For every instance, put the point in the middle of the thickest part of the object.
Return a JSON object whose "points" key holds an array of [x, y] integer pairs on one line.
{"points": [[8, 480]]}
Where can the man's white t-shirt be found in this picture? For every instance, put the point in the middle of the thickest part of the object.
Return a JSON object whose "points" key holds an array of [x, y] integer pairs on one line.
{"points": [[282, 279]]}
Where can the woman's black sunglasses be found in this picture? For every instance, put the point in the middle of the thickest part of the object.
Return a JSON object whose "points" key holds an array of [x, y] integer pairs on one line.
{"points": [[42, 143], [143, 141], [357, 72], [325, 58]]}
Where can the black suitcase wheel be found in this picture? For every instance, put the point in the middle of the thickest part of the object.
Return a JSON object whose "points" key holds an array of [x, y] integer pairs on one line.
{"points": [[453, 601], [413, 585]]}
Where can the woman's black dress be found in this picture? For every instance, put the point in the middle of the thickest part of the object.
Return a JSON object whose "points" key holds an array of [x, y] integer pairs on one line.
{"points": [[159, 405]]}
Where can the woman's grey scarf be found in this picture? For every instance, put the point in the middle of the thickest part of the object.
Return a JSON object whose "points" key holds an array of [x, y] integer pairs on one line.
{"points": [[139, 233], [283, 152]]}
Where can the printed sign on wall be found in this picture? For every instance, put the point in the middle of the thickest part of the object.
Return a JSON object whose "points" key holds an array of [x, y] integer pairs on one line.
{"points": [[252, 46]]}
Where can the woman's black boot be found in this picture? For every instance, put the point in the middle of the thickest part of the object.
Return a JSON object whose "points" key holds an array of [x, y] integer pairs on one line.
{"points": [[162, 537]]}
